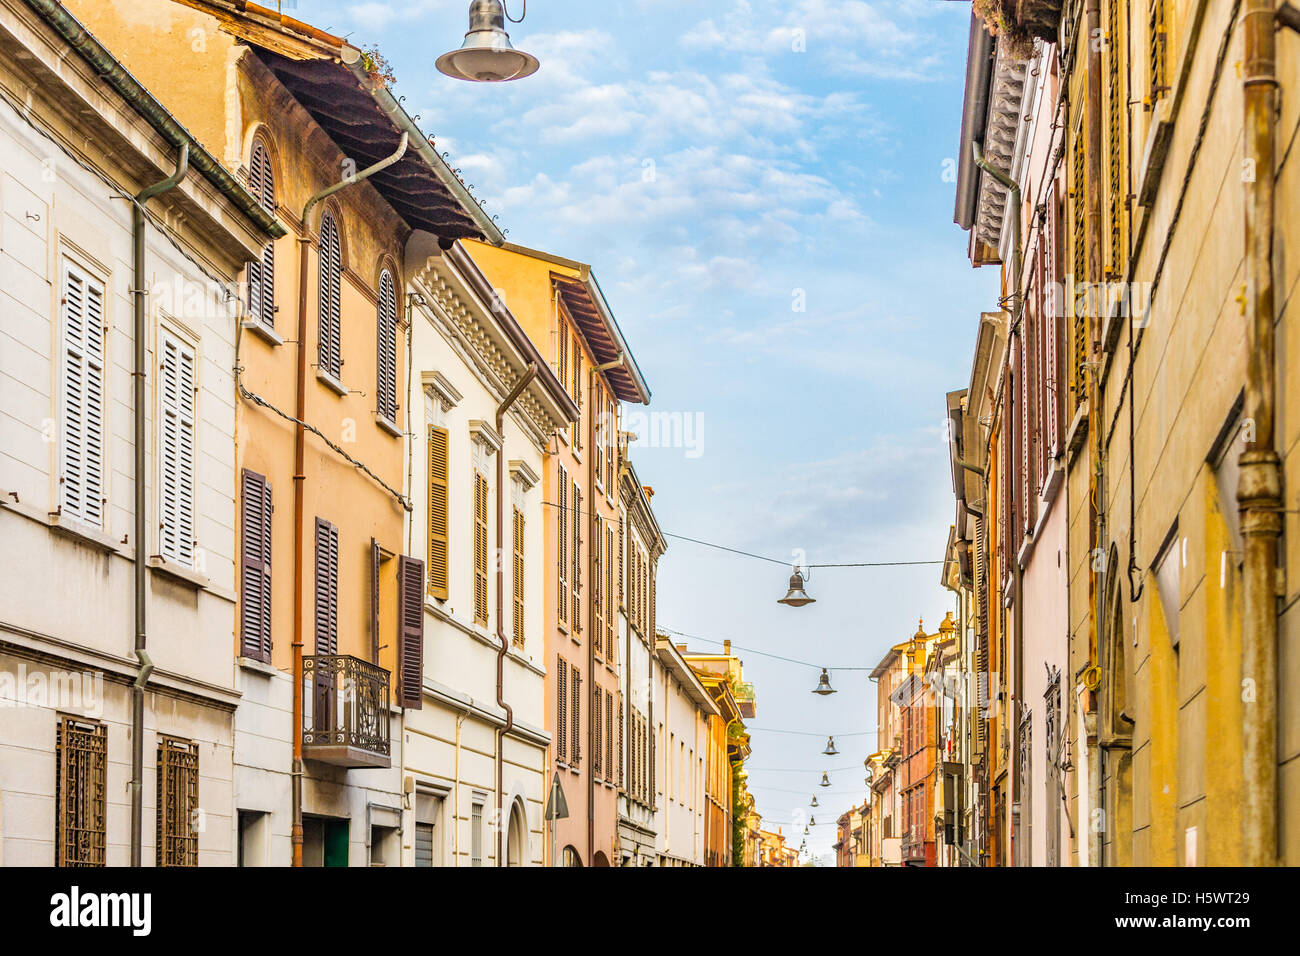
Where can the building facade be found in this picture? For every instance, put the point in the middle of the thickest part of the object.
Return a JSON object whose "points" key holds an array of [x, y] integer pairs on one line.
{"points": [[681, 711]]}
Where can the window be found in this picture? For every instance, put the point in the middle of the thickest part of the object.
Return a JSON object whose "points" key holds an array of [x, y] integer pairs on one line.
{"points": [[255, 567], [561, 710], [476, 831], [562, 543], [386, 353], [327, 588], [611, 630], [622, 760], [577, 558], [577, 392], [80, 792], [1116, 120], [178, 802], [261, 273], [176, 449], [439, 445], [384, 848], [1079, 262], [254, 827], [598, 750], [480, 549], [331, 269], [517, 577], [598, 408], [610, 773], [1159, 49], [428, 816], [83, 396], [597, 598]]}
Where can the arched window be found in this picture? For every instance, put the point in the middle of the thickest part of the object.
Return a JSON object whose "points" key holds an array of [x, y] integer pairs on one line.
{"points": [[261, 273], [331, 268], [387, 350]]}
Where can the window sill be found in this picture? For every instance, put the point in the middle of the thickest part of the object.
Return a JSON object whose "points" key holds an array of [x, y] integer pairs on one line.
{"points": [[178, 572], [330, 382], [264, 332], [259, 667], [386, 425], [85, 534]]}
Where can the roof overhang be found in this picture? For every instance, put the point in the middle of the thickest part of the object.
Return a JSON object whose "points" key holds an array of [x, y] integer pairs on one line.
{"points": [[1002, 127], [586, 305], [979, 69], [672, 659]]}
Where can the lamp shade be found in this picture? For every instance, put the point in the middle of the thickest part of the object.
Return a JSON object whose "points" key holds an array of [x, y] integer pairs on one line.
{"points": [[487, 55], [796, 596]]}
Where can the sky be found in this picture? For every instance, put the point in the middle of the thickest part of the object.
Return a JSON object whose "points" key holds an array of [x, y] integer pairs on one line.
{"points": [[764, 191]]}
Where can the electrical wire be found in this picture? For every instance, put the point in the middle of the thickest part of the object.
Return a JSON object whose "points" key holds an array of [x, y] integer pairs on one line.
{"points": [[750, 650], [808, 733]]}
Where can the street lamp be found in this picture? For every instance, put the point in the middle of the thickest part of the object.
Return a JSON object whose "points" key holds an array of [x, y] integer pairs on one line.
{"points": [[824, 685], [826, 780], [830, 750], [814, 801], [796, 596], [487, 56]]}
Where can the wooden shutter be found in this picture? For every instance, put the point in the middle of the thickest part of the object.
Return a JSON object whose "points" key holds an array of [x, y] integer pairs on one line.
{"points": [[517, 577], [480, 549], [386, 353], [255, 567], [1158, 56], [597, 598], [650, 602], [331, 267], [1079, 248], [261, 272], [611, 773], [596, 726], [611, 625], [410, 624], [561, 709], [439, 462], [562, 544], [562, 354], [83, 396], [376, 559], [621, 584], [576, 716], [1054, 315], [327, 588], [1116, 117], [176, 450], [577, 558], [622, 763], [611, 443]]}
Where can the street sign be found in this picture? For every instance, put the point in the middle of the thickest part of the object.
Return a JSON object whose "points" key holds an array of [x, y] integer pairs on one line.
{"points": [[557, 807]]}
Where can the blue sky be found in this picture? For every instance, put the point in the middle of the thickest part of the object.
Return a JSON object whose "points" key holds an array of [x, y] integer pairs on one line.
{"points": [[716, 177]]}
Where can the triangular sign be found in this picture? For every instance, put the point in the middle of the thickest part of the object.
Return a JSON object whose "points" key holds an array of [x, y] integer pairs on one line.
{"points": [[556, 806]]}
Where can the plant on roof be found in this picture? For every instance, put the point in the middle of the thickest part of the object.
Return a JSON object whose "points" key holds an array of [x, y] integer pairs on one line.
{"points": [[380, 70], [999, 18]]}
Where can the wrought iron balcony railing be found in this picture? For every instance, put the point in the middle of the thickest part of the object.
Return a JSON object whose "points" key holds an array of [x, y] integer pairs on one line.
{"points": [[345, 711]]}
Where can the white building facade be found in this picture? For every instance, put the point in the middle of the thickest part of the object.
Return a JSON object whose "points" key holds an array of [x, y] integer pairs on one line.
{"points": [[682, 707]]}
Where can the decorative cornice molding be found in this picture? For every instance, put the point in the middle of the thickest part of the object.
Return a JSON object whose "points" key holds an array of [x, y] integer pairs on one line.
{"points": [[442, 388], [484, 434], [523, 472]]}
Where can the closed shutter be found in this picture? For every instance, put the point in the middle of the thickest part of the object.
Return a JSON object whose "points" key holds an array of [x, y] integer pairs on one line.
{"points": [[610, 771], [376, 559], [562, 355], [622, 763], [598, 749], [650, 603], [1054, 324], [480, 549], [575, 716], [327, 587], [577, 558], [597, 599], [562, 544], [1157, 36], [611, 627], [176, 449], [410, 618], [424, 844], [611, 443], [517, 577], [83, 396], [386, 352], [577, 393], [1116, 114], [621, 582], [1079, 247], [261, 272], [255, 567], [561, 709], [438, 488], [331, 267]]}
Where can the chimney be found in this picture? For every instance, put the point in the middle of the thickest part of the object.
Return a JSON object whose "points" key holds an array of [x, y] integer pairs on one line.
{"points": [[726, 648]]}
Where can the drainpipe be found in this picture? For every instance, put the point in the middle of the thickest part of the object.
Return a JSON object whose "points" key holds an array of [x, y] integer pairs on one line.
{"points": [[592, 465], [529, 374], [139, 374], [1018, 611], [300, 479], [1259, 489]]}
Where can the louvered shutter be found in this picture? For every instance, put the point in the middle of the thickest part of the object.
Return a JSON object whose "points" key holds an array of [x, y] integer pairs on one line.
{"points": [[255, 567], [611, 625], [596, 725], [597, 599], [176, 449], [562, 544], [261, 272], [517, 577], [83, 396], [386, 352], [327, 587], [331, 268], [621, 583], [576, 716], [622, 763], [577, 558], [410, 617], [611, 773], [561, 709], [480, 549], [438, 491], [1055, 316]]}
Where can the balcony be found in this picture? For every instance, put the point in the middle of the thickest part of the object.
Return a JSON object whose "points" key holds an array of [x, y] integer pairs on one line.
{"points": [[345, 712], [744, 694]]}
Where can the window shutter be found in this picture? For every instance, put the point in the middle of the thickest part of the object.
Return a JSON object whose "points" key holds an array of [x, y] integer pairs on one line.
{"points": [[576, 716], [1055, 315], [331, 267], [610, 773], [611, 625], [327, 588], [562, 544], [597, 599], [480, 549], [621, 585], [410, 617], [561, 709], [176, 445], [261, 273], [386, 353], [376, 558], [596, 725], [438, 492], [255, 568], [517, 577], [622, 763], [83, 396], [577, 558]]}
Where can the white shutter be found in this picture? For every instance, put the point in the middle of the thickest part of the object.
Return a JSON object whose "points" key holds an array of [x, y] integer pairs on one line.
{"points": [[176, 450], [83, 395]]}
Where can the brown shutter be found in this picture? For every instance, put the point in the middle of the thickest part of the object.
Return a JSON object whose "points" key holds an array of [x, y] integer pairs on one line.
{"points": [[596, 725], [410, 624], [561, 709], [261, 273], [386, 351], [597, 599], [439, 463], [576, 716], [255, 571], [621, 760], [327, 587], [376, 557], [330, 277], [562, 543], [610, 772], [577, 558]]}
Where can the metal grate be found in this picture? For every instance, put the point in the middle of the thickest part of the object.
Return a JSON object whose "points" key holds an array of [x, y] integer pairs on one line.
{"points": [[178, 802], [80, 786]]}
